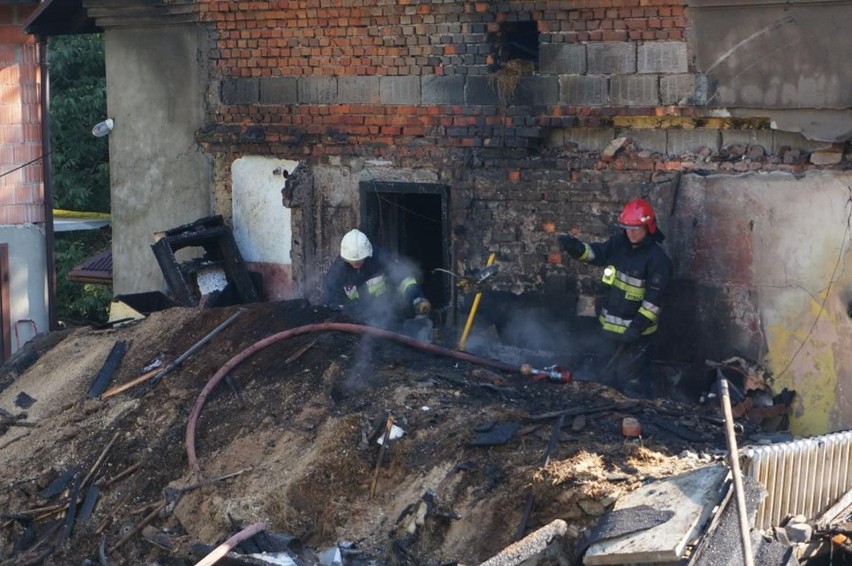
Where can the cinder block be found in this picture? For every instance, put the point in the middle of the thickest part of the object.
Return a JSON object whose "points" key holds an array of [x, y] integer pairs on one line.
{"points": [[634, 90], [677, 89], [400, 90], [537, 91], [664, 57], [240, 91], [317, 90], [762, 138], [436, 89], [704, 90], [589, 139], [795, 141], [358, 90], [583, 90], [682, 141], [646, 138], [611, 58], [479, 90], [562, 58], [279, 90]]}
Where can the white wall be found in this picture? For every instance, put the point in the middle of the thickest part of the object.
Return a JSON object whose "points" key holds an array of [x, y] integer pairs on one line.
{"points": [[262, 225], [27, 281]]}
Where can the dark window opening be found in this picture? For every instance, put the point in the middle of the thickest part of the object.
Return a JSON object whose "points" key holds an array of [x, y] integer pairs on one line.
{"points": [[515, 41], [410, 220]]}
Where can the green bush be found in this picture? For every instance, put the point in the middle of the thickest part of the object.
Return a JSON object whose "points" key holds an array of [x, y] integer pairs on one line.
{"points": [[80, 166]]}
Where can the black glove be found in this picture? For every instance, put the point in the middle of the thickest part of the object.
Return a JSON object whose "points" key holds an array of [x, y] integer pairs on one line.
{"points": [[572, 246]]}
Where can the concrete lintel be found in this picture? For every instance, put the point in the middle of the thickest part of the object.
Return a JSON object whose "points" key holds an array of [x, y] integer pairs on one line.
{"points": [[442, 90], [400, 90], [317, 90]]}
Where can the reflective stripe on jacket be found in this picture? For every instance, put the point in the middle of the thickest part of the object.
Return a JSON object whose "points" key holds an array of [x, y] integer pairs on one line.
{"points": [[374, 279], [637, 279]]}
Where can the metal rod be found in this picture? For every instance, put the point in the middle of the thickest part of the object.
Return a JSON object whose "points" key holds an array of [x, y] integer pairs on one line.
{"points": [[385, 441], [196, 347], [734, 460]]}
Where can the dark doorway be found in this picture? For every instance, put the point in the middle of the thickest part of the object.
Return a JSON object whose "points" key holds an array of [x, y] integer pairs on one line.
{"points": [[410, 220]]}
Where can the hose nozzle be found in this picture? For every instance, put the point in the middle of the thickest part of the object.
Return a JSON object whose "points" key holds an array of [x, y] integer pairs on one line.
{"points": [[552, 373]]}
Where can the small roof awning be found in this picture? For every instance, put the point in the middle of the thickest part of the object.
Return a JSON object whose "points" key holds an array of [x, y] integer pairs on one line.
{"points": [[96, 269], [60, 17]]}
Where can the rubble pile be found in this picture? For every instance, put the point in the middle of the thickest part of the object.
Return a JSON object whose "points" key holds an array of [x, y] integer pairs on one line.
{"points": [[327, 446]]}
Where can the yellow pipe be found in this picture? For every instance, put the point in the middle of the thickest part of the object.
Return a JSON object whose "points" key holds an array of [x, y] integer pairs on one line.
{"points": [[469, 324]]}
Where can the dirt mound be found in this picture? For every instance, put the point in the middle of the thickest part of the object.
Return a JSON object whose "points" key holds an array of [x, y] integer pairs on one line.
{"points": [[296, 428]]}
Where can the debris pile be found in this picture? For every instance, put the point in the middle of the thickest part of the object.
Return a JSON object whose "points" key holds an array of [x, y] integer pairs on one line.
{"points": [[332, 447]]}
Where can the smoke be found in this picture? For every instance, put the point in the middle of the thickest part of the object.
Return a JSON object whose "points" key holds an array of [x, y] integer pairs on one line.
{"points": [[387, 312], [516, 334]]}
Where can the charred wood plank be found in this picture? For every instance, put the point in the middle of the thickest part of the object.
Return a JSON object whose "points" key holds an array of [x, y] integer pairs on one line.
{"points": [[111, 364]]}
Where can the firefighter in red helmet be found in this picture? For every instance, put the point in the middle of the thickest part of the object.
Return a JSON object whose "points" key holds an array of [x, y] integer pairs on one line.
{"points": [[636, 272]]}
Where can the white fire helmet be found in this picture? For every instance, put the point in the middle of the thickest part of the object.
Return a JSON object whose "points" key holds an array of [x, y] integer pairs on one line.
{"points": [[355, 246]]}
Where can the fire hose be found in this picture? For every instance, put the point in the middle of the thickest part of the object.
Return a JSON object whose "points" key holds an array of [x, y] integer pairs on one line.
{"points": [[552, 373]]}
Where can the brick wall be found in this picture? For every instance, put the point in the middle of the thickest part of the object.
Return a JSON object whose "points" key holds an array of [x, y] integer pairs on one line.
{"points": [[412, 83], [395, 73], [21, 190]]}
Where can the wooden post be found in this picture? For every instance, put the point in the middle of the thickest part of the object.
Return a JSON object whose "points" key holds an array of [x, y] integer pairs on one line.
{"points": [[734, 461]]}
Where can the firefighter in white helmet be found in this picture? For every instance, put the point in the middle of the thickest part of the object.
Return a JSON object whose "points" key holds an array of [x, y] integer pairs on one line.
{"points": [[367, 282]]}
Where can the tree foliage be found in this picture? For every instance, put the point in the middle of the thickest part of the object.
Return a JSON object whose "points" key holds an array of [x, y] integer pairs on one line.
{"points": [[80, 165], [80, 161]]}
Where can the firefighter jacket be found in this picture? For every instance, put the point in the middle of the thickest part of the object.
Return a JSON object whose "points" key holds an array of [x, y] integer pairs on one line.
{"points": [[636, 278], [380, 284]]}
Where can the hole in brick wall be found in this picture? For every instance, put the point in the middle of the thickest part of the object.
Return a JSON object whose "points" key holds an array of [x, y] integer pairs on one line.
{"points": [[515, 41]]}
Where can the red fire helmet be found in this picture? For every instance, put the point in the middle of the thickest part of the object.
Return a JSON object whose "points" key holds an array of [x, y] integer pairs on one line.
{"points": [[638, 212]]}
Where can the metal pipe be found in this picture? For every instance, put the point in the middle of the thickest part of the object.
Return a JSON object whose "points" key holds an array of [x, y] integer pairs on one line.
{"points": [[224, 548], [469, 324], [307, 329], [47, 183], [195, 347], [734, 460]]}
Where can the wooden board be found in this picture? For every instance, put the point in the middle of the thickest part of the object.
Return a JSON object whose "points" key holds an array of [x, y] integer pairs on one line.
{"points": [[691, 496]]}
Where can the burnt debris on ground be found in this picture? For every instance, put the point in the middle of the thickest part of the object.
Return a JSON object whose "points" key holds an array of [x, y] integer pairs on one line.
{"points": [[341, 444]]}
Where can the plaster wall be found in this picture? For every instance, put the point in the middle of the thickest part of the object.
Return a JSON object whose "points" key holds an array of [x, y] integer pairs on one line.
{"points": [[27, 281], [156, 87], [769, 258], [262, 225], [783, 56]]}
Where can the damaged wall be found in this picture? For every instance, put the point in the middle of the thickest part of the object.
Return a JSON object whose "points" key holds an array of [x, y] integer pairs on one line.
{"points": [[789, 57], [156, 87], [768, 256], [262, 224], [617, 104], [599, 105]]}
